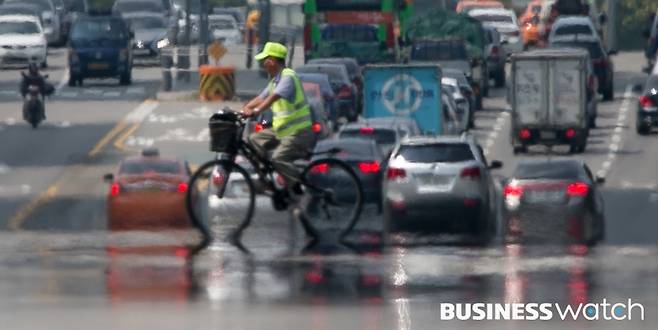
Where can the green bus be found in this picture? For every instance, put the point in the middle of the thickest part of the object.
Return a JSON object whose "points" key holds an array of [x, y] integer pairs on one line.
{"points": [[363, 29]]}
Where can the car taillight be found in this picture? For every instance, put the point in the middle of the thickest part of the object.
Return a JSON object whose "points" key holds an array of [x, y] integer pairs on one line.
{"points": [[524, 134], [345, 91], [320, 168], [369, 167], [258, 127], [577, 189], [646, 102], [471, 173], [512, 191], [366, 130], [314, 277], [494, 50], [182, 187], [115, 189], [316, 127], [570, 133], [395, 173]]}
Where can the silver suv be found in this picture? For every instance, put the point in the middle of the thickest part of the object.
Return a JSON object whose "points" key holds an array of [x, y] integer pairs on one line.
{"points": [[440, 184]]}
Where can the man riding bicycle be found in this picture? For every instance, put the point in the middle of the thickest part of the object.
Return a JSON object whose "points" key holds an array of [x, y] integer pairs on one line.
{"points": [[291, 136]]}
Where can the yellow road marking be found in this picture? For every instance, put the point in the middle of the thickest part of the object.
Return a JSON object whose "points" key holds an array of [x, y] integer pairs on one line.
{"points": [[107, 138], [17, 220], [119, 143]]}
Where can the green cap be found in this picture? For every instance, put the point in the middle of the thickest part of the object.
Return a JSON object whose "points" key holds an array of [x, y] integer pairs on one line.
{"points": [[273, 49]]}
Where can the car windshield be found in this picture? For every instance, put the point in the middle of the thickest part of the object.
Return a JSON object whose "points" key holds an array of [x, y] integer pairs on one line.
{"points": [[336, 74], [142, 167], [594, 49], [98, 30], [222, 24], [573, 29], [548, 170], [350, 33], [491, 18], [130, 6], [436, 153], [18, 28], [42, 5], [438, 51], [382, 136], [147, 23]]}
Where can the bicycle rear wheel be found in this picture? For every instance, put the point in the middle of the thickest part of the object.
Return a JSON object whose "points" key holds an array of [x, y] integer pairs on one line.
{"points": [[333, 197], [220, 199]]}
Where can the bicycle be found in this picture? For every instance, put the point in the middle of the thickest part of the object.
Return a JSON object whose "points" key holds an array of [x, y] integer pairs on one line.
{"points": [[221, 188]]}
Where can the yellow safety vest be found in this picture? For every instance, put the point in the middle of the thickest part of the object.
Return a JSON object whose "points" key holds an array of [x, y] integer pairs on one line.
{"points": [[289, 118]]}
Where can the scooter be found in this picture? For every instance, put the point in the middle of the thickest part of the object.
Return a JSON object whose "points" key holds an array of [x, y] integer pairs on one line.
{"points": [[34, 106]]}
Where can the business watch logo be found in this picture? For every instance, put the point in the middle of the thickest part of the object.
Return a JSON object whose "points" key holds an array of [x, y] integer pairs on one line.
{"points": [[543, 312], [402, 94]]}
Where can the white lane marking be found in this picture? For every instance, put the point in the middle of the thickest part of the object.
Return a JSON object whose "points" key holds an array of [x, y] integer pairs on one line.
{"points": [[112, 94], [15, 190], [141, 112], [63, 81], [10, 121], [617, 136], [62, 124]]}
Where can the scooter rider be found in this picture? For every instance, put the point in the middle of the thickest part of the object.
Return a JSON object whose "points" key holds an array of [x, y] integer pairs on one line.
{"points": [[33, 77]]}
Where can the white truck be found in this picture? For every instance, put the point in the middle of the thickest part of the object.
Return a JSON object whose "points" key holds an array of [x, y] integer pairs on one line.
{"points": [[549, 99]]}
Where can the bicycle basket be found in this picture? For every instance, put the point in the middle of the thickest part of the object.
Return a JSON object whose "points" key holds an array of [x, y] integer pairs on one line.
{"points": [[223, 135]]}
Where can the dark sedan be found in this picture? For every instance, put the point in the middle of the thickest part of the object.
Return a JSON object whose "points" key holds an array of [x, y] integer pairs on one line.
{"points": [[365, 159], [554, 200]]}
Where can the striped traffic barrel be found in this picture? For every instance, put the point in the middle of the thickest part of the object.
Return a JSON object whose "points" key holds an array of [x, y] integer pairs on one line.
{"points": [[216, 83]]}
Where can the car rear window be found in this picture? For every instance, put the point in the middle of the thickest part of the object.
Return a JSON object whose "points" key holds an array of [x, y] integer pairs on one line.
{"points": [[381, 136], [438, 51], [436, 153], [96, 29], [549, 170], [141, 167], [573, 29], [336, 74]]}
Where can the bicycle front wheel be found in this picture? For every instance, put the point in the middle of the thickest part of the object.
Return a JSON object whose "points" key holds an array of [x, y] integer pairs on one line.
{"points": [[220, 198], [333, 197]]}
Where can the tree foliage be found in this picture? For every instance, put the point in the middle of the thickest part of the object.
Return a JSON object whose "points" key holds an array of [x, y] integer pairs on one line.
{"points": [[632, 19]]}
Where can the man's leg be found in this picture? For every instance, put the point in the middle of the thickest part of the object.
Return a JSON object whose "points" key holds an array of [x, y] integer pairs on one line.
{"points": [[291, 148], [264, 141]]}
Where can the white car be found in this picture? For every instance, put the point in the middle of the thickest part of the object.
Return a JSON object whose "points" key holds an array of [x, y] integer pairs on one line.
{"points": [[504, 21], [224, 28], [22, 40], [571, 26], [49, 17]]}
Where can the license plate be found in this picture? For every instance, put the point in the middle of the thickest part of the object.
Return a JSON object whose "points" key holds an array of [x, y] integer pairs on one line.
{"points": [[545, 196], [433, 183], [548, 135], [98, 66]]}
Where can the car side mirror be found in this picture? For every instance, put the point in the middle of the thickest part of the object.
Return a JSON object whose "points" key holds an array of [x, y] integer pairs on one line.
{"points": [[495, 164], [109, 177], [600, 180]]}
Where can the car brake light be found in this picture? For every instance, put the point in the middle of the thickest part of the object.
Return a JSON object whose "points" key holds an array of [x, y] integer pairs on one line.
{"points": [[366, 130], [320, 168], [577, 189], [369, 167], [524, 134], [395, 173], [115, 189], [182, 187], [345, 91], [645, 102], [470, 172], [570, 133], [314, 277], [258, 127], [513, 191], [316, 127]]}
